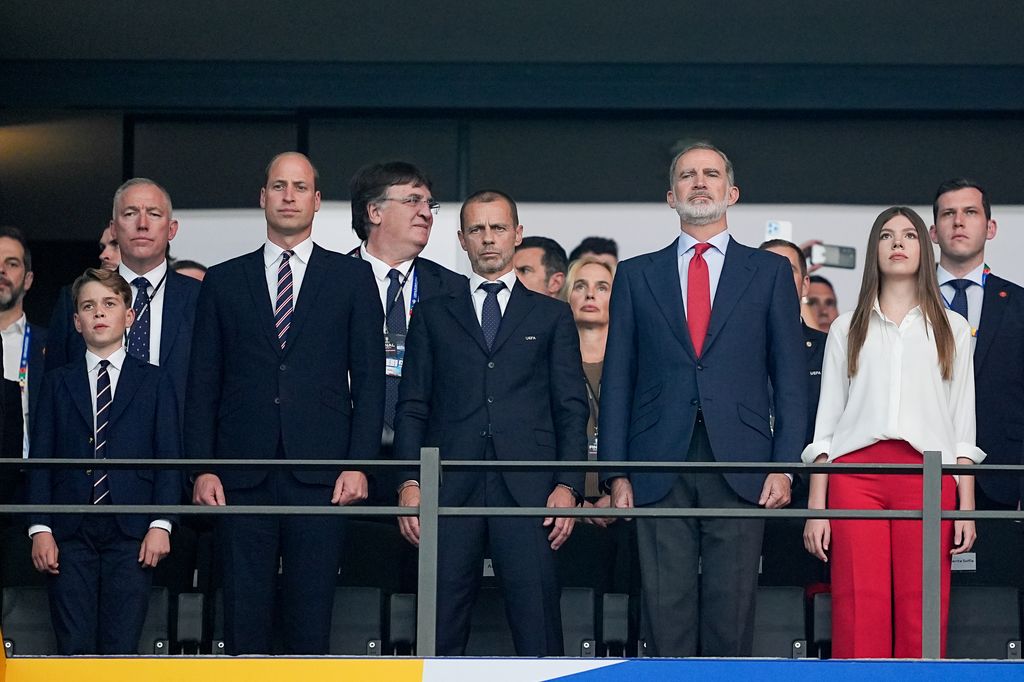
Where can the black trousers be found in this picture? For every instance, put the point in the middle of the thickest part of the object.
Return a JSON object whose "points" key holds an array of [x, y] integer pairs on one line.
{"points": [[523, 562], [309, 550], [712, 614]]}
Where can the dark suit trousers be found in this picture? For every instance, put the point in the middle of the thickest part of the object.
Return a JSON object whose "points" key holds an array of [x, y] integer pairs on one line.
{"points": [[309, 548], [523, 562], [684, 614], [98, 601]]}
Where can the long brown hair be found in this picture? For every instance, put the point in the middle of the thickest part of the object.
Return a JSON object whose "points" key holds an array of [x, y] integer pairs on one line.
{"points": [[928, 295]]}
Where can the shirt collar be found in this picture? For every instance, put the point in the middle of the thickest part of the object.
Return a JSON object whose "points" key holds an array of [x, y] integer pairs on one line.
{"points": [[380, 268], [475, 280], [974, 275], [720, 241], [154, 276], [877, 308], [18, 326], [116, 359], [272, 252]]}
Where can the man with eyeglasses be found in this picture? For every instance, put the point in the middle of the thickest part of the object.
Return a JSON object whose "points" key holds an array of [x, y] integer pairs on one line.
{"points": [[393, 212]]}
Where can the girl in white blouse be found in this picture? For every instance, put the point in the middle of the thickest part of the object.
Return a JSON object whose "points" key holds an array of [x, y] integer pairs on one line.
{"points": [[897, 380]]}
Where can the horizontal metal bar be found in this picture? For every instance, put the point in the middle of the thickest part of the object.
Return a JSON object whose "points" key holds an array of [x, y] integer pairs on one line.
{"points": [[203, 510], [986, 514], [208, 464]]}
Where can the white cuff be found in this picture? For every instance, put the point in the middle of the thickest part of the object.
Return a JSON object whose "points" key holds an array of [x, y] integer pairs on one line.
{"points": [[971, 452], [162, 524], [38, 528], [815, 450]]}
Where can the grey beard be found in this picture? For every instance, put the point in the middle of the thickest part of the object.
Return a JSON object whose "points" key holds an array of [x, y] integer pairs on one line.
{"points": [[701, 214]]}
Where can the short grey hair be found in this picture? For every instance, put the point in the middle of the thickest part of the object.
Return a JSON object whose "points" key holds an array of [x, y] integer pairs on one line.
{"points": [[141, 181], [689, 147]]}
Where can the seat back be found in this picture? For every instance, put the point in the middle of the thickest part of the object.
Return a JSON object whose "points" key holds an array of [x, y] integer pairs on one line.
{"points": [[26, 623], [156, 635], [357, 622], [984, 622], [780, 623], [579, 621]]}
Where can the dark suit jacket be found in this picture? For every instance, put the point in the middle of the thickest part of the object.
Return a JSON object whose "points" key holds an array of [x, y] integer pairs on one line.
{"points": [[321, 398], [527, 394], [814, 347], [653, 382], [999, 385], [37, 366], [65, 344], [436, 280], [143, 424]]}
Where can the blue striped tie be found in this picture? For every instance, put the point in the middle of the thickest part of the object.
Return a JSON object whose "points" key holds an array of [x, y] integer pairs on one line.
{"points": [[283, 306], [104, 396]]}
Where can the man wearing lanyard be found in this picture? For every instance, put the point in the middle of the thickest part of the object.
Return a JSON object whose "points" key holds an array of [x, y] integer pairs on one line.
{"points": [[994, 308], [164, 301], [393, 212], [23, 342]]}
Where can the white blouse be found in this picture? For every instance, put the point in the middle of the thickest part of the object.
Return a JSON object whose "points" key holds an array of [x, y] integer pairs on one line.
{"points": [[898, 392]]}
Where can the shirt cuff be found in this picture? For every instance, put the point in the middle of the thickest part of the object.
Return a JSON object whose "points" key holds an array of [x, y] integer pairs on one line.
{"points": [[971, 452], [162, 524], [38, 528], [815, 449]]}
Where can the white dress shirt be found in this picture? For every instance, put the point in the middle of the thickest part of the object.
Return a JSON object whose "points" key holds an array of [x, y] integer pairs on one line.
{"points": [[155, 312], [898, 392], [479, 295], [14, 339], [715, 258], [975, 294], [92, 366], [380, 273], [297, 262]]}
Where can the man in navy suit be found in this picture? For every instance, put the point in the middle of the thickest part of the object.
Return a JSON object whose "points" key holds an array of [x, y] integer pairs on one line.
{"points": [[697, 331], [392, 213], [286, 364], [994, 308], [102, 405], [23, 341], [494, 372], [163, 300]]}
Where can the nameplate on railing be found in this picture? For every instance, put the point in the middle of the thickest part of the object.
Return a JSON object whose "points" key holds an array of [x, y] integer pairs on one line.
{"points": [[968, 561]]}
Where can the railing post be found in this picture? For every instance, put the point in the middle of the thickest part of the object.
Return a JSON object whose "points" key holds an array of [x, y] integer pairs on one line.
{"points": [[426, 602], [931, 561]]}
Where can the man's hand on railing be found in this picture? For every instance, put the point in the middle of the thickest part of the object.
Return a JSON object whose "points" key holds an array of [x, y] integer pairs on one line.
{"points": [[44, 553], [351, 487], [776, 491], [155, 546], [817, 537], [410, 525], [208, 491], [560, 498]]}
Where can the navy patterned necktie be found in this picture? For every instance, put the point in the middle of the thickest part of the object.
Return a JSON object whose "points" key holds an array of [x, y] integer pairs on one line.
{"points": [[283, 305], [104, 396], [395, 309], [490, 316], [138, 335], [959, 302]]}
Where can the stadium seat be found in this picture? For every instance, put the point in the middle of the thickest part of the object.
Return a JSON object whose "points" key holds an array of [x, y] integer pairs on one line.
{"points": [[984, 622], [189, 631], [26, 622], [156, 637], [579, 621], [780, 623], [357, 622], [821, 624], [615, 623], [402, 624]]}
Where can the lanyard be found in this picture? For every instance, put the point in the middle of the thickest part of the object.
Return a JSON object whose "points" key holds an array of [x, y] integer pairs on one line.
{"points": [[156, 290], [23, 369], [985, 271], [415, 295]]}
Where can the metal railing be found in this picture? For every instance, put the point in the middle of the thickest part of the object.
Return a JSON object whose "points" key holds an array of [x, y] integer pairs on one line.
{"points": [[430, 511]]}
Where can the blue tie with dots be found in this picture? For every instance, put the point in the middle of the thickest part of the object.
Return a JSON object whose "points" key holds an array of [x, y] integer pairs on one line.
{"points": [[959, 303], [490, 316], [104, 396], [138, 335]]}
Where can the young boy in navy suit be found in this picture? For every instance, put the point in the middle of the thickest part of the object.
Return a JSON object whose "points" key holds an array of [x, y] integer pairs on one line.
{"points": [[103, 405]]}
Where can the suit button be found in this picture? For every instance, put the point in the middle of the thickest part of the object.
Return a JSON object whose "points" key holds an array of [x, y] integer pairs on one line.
{"points": [[695, 402], [483, 434], [490, 399], [277, 401], [90, 439], [490, 365], [700, 367], [283, 367]]}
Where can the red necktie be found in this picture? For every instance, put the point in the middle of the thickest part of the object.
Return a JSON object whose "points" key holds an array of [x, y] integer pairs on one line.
{"points": [[698, 297]]}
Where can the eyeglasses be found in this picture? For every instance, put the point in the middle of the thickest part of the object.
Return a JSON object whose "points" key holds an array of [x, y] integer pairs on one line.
{"points": [[414, 200]]}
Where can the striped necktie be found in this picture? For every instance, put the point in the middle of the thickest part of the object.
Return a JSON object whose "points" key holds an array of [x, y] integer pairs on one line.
{"points": [[104, 396], [283, 306]]}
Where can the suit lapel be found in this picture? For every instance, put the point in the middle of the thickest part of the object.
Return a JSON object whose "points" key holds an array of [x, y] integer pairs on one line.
{"points": [[662, 276], [174, 305], [993, 308], [256, 277], [520, 303], [736, 275], [127, 386], [312, 281], [428, 280], [460, 306], [77, 382]]}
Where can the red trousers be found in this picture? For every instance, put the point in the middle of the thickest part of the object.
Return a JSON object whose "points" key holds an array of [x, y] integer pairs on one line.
{"points": [[876, 564]]}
